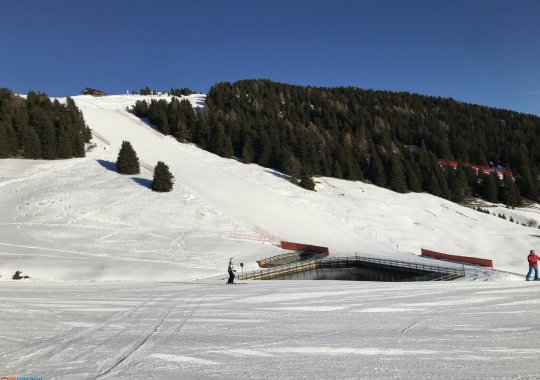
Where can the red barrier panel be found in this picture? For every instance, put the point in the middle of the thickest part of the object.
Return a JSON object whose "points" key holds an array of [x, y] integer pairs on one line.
{"points": [[304, 247], [461, 259]]}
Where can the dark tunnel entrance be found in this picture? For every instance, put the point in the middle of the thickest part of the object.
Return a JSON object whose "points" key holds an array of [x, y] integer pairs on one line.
{"points": [[360, 268]]}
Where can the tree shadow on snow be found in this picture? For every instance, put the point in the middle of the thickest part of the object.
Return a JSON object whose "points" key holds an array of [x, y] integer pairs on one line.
{"points": [[143, 182], [278, 174], [107, 165]]}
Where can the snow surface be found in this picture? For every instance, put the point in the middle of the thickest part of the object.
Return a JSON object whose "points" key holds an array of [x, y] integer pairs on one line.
{"points": [[270, 330], [73, 224]]}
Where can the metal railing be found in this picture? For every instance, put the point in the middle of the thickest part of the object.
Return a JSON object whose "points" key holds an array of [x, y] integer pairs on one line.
{"points": [[283, 270], [295, 256], [433, 272]]}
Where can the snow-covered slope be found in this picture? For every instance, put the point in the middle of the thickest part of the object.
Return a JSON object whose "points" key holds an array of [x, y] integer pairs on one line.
{"points": [[270, 330], [79, 219]]}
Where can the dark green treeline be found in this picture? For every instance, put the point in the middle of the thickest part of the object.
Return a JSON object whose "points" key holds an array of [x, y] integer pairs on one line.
{"points": [[391, 139], [37, 127]]}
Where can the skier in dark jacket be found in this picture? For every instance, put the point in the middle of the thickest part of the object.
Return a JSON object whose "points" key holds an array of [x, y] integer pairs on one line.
{"points": [[231, 271], [533, 265]]}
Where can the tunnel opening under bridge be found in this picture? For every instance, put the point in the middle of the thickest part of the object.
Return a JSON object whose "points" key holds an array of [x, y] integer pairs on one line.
{"points": [[360, 268]]}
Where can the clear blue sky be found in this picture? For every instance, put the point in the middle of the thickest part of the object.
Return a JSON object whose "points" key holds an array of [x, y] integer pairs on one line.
{"points": [[485, 52]]}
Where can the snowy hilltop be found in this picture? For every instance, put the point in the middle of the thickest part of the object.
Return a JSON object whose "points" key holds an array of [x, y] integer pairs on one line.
{"points": [[78, 219]]}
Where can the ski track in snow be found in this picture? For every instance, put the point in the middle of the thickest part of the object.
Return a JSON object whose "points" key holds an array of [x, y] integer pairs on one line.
{"points": [[208, 330]]}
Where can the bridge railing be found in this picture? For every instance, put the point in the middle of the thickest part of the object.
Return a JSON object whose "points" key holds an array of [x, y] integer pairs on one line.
{"points": [[440, 272], [271, 261], [274, 272], [346, 261]]}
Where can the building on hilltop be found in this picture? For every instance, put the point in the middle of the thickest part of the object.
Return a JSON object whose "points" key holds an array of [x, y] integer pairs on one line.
{"points": [[93, 92]]}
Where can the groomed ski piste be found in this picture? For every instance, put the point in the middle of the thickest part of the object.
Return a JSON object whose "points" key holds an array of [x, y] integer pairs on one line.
{"points": [[127, 283]]}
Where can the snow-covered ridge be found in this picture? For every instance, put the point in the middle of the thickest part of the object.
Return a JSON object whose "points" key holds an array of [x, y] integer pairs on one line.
{"points": [[80, 220], [121, 102]]}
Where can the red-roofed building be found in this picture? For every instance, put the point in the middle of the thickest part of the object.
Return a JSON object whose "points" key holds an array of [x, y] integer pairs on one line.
{"points": [[477, 168]]}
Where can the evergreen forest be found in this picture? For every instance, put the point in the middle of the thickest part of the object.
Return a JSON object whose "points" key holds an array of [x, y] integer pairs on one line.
{"points": [[39, 128], [391, 139]]}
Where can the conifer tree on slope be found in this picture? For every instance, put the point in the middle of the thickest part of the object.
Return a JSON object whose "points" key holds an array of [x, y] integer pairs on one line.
{"points": [[306, 180], [397, 176], [162, 181], [127, 162], [4, 145], [31, 144], [489, 187], [247, 151], [511, 194]]}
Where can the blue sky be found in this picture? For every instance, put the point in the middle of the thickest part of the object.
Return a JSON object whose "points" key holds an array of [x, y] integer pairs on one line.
{"points": [[485, 52]]}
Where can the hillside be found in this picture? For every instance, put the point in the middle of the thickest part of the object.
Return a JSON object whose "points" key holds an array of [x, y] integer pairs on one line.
{"points": [[79, 220], [392, 139]]}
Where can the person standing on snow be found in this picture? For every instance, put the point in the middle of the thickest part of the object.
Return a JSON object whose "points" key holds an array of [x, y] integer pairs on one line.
{"points": [[533, 265], [231, 271]]}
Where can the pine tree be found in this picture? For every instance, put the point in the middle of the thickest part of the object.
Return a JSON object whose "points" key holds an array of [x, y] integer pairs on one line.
{"points": [[511, 196], [397, 177], [443, 185], [182, 132], [65, 143], [12, 142], [127, 162], [162, 122], [264, 149], [200, 131], [31, 144], [306, 180], [186, 110], [411, 176], [463, 178], [4, 145], [337, 170], [87, 134], [489, 188], [77, 120], [141, 108], [455, 186], [163, 179], [377, 174], [220, 143], [48, 142], [247, 151], [78, 146], [432, 185], [20, 121], [293, 168]]}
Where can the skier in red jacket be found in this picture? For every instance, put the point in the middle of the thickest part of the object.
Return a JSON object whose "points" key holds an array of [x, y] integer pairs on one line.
{"points": [[533, 265]]}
